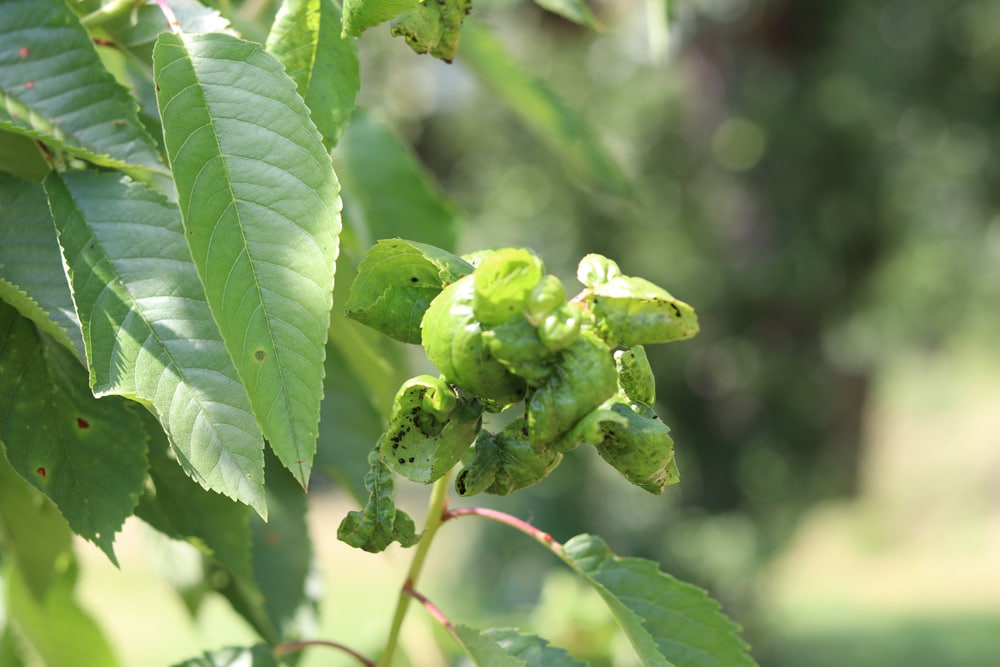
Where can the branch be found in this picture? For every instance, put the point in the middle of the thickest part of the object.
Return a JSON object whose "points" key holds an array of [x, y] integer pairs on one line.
{"points": [[434, 611], [539, 536]]}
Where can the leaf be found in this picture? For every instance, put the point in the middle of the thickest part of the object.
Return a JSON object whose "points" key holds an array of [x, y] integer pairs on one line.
{"points": [[22, 157], [396, 282], [178, 507], [576, 11], [31, 273], [306, 39], [533, 650], [87, 455], [54, 87], [484, 650], [668, 621], [504, 462], [372, 161], [260, 655], [259, 203], [359, 15], [60, 631], [148, 330], [433, 27], [379, 524], [638, 445], [33, 534], [560, 127]]}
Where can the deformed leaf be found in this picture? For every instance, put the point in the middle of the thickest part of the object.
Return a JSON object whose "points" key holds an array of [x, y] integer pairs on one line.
{"points": [[359, 15], [149, 331], [667, 621], [54, 87], [433, 26], [259, 655], [380, 523], [396, 282], [504, 462], [260, 206], [639, 446], [635, 376], [87, 455], [504, 280]]}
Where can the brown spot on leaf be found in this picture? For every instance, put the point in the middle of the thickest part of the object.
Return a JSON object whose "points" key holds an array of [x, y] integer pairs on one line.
{"points": [[82, 423], [23, 52], [42, 472], [260, 355]]}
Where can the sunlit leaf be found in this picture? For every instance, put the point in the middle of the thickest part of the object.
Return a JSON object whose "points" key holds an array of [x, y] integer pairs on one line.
{"points": [[484, 650], [574, 10], [380, 523], [260, 655], [54, 87], [433, 27], [87, 455], [148, 330], [533, 650], [260, 207], [359, 15], [306, 39]]}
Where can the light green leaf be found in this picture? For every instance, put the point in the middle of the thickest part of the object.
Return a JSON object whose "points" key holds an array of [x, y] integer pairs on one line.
{"points": [[533, 650], [60, 631], [359, 15], [87, 455], [433, 27], [372, 161], [504, 280], [484, 650], [260, 655], [380, 523], [668, 621], [260, 206], [54, 87], [306, 39], [560, 127], [22, 157], [138, 29], [396, 282], [148, 330], [504, 462], [574, 10], [31, 273], [32, 532]]}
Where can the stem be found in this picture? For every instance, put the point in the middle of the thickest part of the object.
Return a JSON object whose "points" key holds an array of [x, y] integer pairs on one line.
{"points": [[109, 11], [434, 611], [168, 13], [539, 536], [292, 647], [435, 516]]}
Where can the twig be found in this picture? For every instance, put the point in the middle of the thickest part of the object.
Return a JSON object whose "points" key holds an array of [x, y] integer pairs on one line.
{"points": [[168, 13], [292, 647], [502, 517], [434, 611]]}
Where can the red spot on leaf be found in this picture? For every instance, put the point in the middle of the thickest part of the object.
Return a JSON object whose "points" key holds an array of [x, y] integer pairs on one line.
{"points": [[82, 423], [41, 471], [29, 85], [23, 51]]}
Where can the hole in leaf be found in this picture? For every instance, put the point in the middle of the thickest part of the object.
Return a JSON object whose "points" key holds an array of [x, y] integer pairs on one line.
{"points": [[82, 423]]}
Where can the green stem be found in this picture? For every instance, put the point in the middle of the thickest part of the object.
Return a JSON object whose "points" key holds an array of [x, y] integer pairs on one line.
{"points": [[435, 514], [109, 11]]}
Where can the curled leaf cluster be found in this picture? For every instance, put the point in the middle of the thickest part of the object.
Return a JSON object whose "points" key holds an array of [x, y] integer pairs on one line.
{"points": [[505, 337]]}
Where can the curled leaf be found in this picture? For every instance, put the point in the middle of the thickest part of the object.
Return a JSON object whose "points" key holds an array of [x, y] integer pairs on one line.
{"points": [[379, 524], [433, 26], [635, 377], [517, 345], [504, 280], [638, 445], [505, 462]]}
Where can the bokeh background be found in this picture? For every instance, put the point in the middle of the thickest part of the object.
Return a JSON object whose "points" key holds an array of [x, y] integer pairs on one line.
{"points": [[821, 181]]}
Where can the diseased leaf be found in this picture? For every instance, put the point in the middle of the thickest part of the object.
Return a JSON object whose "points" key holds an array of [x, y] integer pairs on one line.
{"points": [[54, 87], [561, 128], [148, 329], [371, 161], [31, 273], [576, 11], [638, 445], [260, 206], [433, 27], [504, 462], [87, 455], [260, 655], [484, 650], [533, 650], [396, 282], [379, 524], [306, 39], [668, 621], [359, 15]]}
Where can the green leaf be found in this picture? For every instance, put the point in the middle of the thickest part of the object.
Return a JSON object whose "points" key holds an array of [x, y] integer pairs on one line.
{"points": [[260, 206], [178, 507], [371, 161], [668, 621], [306, 39], [433, 27], [60, 631], [31, 531], [504, 280], [379, 524], [504, 462], [576, 11], [54, 87], [87, 455], [148, 329], [484, 650], [638, 445], [533, 650], [31, 273], [560, 127], [260, 655], [22, 157], [359, 15], [396, 282]]}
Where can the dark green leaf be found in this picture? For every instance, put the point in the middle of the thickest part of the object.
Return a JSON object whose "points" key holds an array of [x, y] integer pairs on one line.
{"points": [[504, 462], [668, 621], [556, 124], [251, 656], [87, 455], [372, 161], [396, 282], [260, 206], [638, 445], [359, 15], [22, 157], [306, 39], [54, 87], [433, 27], [379, 524], [148, 330]]}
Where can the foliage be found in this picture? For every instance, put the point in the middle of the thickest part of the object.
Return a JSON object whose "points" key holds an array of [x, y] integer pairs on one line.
{"points": [[171, 227]]}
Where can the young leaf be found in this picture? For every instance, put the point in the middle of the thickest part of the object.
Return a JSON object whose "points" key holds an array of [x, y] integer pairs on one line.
{"points": [[31, 274], [371, 160], [533, 650], [54, 87], [87, 455], [306, 39], [359, 15], [260, 206], [668, 621], [557, 125], [148, 330], [260, 655], [380, 523], [396, 282]]}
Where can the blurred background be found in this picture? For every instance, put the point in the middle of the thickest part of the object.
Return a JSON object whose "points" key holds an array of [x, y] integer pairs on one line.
{"points": [[821, 181]]}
